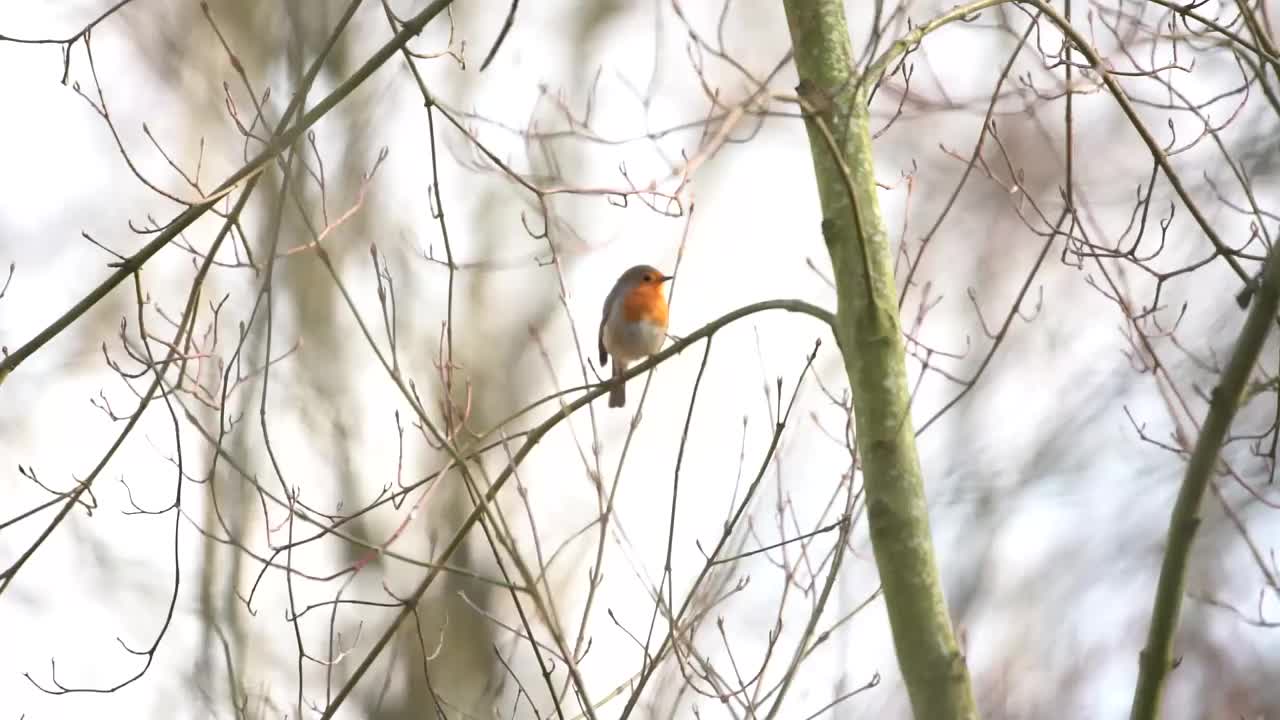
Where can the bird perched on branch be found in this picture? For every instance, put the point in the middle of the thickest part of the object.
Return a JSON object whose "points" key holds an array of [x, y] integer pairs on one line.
{"points": [[633, 324]]}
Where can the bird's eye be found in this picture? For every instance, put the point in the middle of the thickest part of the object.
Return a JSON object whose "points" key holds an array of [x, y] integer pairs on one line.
{"points": [[648, 278]]}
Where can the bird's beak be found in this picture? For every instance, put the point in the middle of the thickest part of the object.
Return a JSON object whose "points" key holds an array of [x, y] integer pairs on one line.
{"points": [[666, 278]]}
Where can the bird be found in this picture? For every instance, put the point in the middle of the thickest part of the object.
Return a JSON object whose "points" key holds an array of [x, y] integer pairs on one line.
{"points": [[633, 324]]}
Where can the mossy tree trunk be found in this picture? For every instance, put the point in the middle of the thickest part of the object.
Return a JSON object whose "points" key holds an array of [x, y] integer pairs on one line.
{"points": [[869, 333]]}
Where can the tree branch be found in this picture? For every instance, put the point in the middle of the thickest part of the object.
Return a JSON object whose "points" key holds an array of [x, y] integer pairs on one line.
{"points": [[1155, 660]]}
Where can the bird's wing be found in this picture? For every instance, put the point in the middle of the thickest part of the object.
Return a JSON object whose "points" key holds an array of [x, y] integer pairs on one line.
{"points": [[604, 354], [604, 318]]}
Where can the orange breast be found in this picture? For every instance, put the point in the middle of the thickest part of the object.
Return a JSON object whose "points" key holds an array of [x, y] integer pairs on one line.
{"points": [[646, 302]]}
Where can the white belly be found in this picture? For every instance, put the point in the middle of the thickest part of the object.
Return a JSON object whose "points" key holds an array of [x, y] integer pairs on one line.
{"points": [[631, 341]]}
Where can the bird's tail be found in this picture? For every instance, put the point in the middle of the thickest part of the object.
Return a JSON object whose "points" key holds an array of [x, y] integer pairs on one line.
{"points": [[618, 395]]}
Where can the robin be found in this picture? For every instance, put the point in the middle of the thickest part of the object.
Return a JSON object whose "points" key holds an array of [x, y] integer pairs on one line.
{"points": [[633, 324]]}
